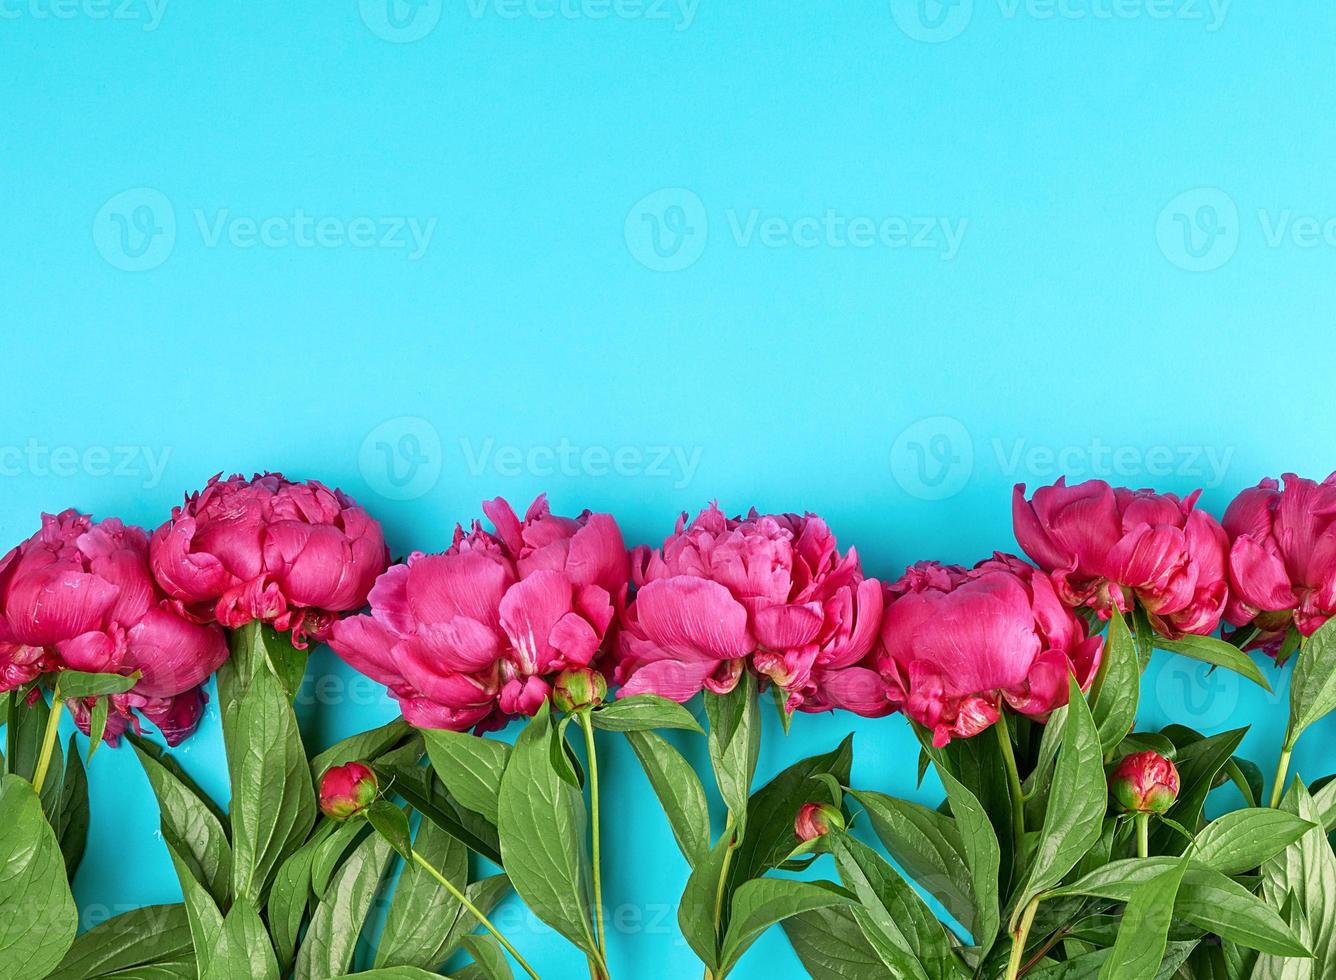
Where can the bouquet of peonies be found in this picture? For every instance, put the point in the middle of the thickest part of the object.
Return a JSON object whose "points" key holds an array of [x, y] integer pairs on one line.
{"points": [[1067, 844]]}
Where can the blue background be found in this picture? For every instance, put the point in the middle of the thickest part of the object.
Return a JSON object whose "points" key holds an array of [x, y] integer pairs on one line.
{"points": [[877, 261]]}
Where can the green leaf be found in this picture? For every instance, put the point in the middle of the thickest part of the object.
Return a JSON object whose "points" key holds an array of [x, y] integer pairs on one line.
{"points": [[759, 904], [330, 852], [1117, 688], [362, 747], [735, 743], [393, 973], [485, 895], [1141, 943], [831, 945], [193, 828], [1240, 841], [37, 914], [143, 937], [983, 858], [72, 812], [202, 913], [696, 910], [1269, 966], [1206, 898], [331, 940], [470, 767], [643, 713], [1199, 763], [23, 733], [927, 844], [899, 927], [243, 948], [488, 957], [1307, 868], [1086, 966], [290, 894], [543, 824], [273, 798], [1210, 650], [97, 725], [773, 808], [72, 685], [391, 823], [1313, 685], [424, 792], [1070, 829], [422, 912], [679, 791]]}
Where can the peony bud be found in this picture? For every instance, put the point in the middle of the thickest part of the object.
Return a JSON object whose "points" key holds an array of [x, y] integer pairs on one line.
{"points": [[579, 688], [1144, 782], [346, 791], [816, 820]]}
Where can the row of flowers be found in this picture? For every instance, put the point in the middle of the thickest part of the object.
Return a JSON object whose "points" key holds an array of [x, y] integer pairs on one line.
{"points": [[479, 634], [535, 618]]}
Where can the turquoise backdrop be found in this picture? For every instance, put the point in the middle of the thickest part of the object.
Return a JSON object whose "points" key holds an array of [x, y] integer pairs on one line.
{"points": [[879, 261]]}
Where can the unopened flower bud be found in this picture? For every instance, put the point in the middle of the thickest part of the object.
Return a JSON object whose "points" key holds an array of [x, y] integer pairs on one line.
{"points": [[816, 820], [1144, 782], [579, 688], [346, 791]]}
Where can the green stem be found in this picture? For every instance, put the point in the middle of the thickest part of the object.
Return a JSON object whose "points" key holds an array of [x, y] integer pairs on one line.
{"points": [[1014, 779], [592, 752], [1143, 834], [48, 741], [1282, 771], [1019, 939], [722, 886], [475, 911]]}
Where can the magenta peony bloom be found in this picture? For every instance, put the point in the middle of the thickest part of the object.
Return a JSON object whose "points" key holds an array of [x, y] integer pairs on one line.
{"points": [[957, 644], [80, 596], [1144, 782], [476, 635], [767, 592], [1282, 562], [290, 554], [347, 790], [1106, 546], [815, 820]]}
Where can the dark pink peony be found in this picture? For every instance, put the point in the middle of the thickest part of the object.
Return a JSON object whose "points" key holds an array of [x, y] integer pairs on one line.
{"points": [[291, 554], [1107, 546], [478, 634], [1144, 782], [80, 596], [958, 644], [347, 790], [769, 592], [1282, 560]]}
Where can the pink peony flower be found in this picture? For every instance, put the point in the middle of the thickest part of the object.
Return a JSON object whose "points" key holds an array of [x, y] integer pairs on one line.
{"points": [[1282, 561], [1107, 546], [478, 634], [957, 644], [1144, 782], [767, 592], [80, 596], [290, 554]]}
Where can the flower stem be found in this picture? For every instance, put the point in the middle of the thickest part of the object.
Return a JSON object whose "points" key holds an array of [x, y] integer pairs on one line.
{"points": [[721, 887], [1017, 793], [48, 741], [1143, 834], [474, 910], [592, 752], [1020, 937], [1282, 771]]}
